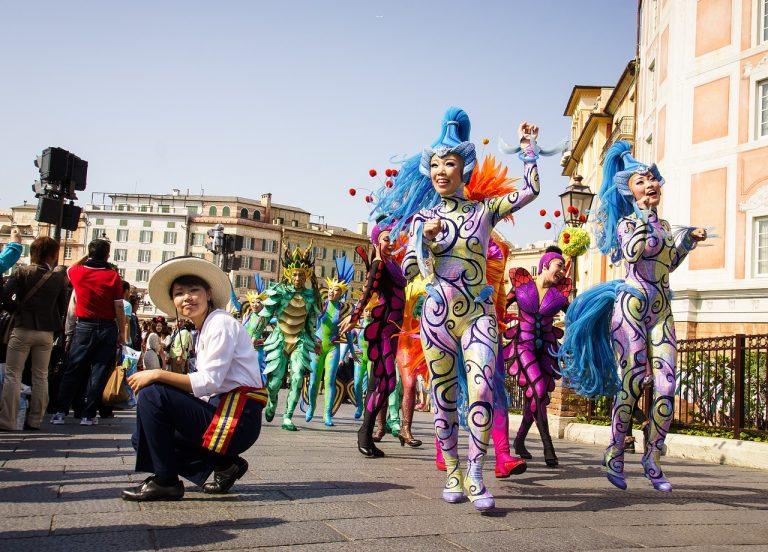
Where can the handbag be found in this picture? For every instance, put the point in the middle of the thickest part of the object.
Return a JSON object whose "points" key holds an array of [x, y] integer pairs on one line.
{"points": [[8, 319], [114, 391]]}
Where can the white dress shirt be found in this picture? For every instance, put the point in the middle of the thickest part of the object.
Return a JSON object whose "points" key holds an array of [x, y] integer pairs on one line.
{"points": [[226, 358]]}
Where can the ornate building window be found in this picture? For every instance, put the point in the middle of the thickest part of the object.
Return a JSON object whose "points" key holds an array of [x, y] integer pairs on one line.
{"points": [[761, 246], [762, 108], [225, 211], [212, 211]]}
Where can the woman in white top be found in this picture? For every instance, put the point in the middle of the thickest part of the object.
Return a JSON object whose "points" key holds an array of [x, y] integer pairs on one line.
{"points": [[192, 425]]}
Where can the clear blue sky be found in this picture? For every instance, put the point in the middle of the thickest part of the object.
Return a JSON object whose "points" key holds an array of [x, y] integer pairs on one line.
{"points": [[297, 98]]}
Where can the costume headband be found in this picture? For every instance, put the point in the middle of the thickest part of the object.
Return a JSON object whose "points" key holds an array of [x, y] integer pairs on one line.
{"points": [[548, 258], [378, 229], [454, 139], [465, 150], [633, 166], [298, 261]]}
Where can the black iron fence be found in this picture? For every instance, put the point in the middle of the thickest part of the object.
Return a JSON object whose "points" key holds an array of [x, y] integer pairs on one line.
{"points": [[722, 383]]}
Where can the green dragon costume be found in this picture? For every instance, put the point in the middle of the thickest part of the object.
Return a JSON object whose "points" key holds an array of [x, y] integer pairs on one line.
{"points": [[295, 307]]}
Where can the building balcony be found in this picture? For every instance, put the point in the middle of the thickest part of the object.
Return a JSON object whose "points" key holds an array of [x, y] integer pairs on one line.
{"points": [[623, 130]]}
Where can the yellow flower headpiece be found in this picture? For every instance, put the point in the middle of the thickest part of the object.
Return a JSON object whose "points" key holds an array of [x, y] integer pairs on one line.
{"points": [[336, 283], [251, 296]]}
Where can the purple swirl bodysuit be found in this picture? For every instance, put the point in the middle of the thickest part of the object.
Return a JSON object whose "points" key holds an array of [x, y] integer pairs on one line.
{"points": [[457, 324]]}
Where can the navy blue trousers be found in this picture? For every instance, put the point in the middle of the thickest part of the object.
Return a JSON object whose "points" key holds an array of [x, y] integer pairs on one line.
{"points": [[91, 358], [170, 424]]}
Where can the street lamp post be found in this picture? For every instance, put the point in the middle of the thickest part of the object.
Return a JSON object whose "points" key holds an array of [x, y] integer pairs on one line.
{"points": [[576, 201]]}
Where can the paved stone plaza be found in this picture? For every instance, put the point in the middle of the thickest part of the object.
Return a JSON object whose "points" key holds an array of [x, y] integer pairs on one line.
{"points": [[59, 490]]}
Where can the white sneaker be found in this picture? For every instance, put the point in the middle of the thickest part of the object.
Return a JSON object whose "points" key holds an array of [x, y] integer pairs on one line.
{"points": [[89, 421], [58, 418]]}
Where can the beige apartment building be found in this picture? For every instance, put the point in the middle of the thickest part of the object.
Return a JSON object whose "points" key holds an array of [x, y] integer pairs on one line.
{"points": [[147, 229], [73, 243], [702, 114], [600, 116]]}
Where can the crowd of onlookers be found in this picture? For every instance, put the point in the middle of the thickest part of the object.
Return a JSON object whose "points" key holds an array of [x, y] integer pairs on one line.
{"points": [[64, 330]]}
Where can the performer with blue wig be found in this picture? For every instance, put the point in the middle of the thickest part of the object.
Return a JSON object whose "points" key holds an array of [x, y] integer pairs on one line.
{"points": [[620, 334], [449, 235]]}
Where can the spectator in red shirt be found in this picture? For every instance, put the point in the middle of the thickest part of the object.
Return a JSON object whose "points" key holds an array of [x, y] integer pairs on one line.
{"points": [[100, 328]]}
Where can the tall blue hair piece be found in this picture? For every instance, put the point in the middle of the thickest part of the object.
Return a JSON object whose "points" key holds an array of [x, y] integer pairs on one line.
{"points": [[233, 298], [412, 191], [586, 355], [616, 199], [345, 269], [258, 282]]}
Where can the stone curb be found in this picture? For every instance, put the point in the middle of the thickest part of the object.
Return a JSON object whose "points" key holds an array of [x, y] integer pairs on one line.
{"points": [[714, 450]]}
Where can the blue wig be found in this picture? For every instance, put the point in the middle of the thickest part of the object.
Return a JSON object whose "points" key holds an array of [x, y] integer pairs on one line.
{"points": [[586, 355], [259, 283], [345, 271], [616, 199], [412, 188]]}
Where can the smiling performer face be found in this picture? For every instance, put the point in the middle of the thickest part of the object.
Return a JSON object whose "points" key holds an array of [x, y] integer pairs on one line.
{"points": [[646, 190], [446, 173]]}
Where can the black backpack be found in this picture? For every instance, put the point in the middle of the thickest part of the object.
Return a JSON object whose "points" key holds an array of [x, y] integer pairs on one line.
{"points": [[135, 332]]}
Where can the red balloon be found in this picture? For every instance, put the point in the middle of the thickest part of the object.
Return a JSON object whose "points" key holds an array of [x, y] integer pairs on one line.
{"points": [[352, 191], [566, 236], [388, 172], [558, 213], [388, 184], [368, 199], [372, 172], [394, 172], [566, 240], [582, 218], [547, 225], [543, 212]]}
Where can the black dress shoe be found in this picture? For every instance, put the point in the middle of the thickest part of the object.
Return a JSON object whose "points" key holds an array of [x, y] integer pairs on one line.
{"points": [[150, 490], [224, 479], [371, 452]]}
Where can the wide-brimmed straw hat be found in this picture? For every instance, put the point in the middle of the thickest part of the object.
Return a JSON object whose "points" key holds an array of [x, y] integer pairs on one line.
{"points": [[163, 276]]}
